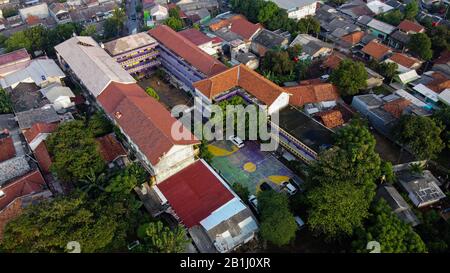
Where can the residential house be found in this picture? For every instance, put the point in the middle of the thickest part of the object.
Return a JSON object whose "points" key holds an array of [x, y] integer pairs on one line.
{"points": [[430, 86], [404, 62], [59, 96], [155, 14], [324, 95], [41, 72], [60, 12], [41, 11], [249, 59], [399, 40], [378, 7], [376, 51], [312, 47], [410, 27], [349, 41], [356, 8], [380, 29], [201, 40], [423, 189], [189, 5], [136, 53], [199, 16], [242, 81], [183, 59], [267, 40], [442, 64], [215, 217], [398, 205], [112, 151], [331, 118], [27, 119], [14, 61], [298, 9]]}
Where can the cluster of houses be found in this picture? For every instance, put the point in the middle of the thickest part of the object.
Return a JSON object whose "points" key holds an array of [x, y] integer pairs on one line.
{"points": [[50, 13]]}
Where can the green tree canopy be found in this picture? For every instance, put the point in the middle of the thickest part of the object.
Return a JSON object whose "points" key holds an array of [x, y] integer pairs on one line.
{"points": [[440, 38], [277, 221], [5, 102], [420, 134], [50, 225], [75, 152], [442, 116], [411, 10], [99, 124], [308, 25], [350, 77], [394, 235], [420, 44], [159, 238], [393, 17]]}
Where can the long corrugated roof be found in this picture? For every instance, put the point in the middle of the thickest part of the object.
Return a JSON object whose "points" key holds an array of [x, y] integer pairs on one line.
{"points": [[92, 65]]}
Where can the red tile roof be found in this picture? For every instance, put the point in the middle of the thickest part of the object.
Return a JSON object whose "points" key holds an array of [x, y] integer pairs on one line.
{"points": [[7, 150], [240, 76], [30, 183], [404, 60], [195, 36], [444, 58], [194, 193], [225, 22], [180, 12], [43, 157], [110, 148], [410, 26], [333, 61], [187, 50], [312, 93], [439, 83], [39, 128], [14, 56], [142, 118], [239, 25], [331, 118], [353, 38], [396, 107], [376, 50], [33, 20]]}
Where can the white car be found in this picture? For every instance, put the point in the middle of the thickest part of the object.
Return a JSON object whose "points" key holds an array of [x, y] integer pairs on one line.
{"points": [[289, 188], [253, 202], [299, 222], [236, 141]]}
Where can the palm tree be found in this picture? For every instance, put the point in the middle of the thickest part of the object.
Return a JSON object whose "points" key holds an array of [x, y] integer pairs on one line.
{"points": [[119, 17], [93, 181]]}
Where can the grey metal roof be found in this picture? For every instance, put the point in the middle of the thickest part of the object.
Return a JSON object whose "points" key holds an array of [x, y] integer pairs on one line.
{"points": [[293, 4], [401, 37], [128, 43], [13, 168], [269, 39], [381, 26], [423, 189], [26, 119]]}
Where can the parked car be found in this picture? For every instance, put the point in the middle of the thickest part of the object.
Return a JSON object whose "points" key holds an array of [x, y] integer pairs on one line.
{"points": [[237, 141], [299, 222], [265, 186], [289, 188], [253, 202]]}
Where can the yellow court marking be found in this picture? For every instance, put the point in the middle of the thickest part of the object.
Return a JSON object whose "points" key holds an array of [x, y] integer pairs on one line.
{"points": [[216, 151], [249, 167], [278, 179]]}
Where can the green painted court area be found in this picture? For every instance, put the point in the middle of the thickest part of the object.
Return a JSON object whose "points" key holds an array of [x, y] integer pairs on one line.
{"points": [[248, 166]]}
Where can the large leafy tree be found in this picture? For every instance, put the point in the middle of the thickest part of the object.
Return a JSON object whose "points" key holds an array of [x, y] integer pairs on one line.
{"points": [[277, 221], [308, 25], [350, 77], [411, 10], [440, 38], [267, 12], [434, 231], [50, 225], [420, 44], [159, 238], [394, 235], [341, 183], [5, 102], [443, 117], [421, 135], [75, 152], [393, 17]]}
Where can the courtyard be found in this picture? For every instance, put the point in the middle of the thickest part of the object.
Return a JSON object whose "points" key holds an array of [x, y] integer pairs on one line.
{"points": [[248, 166]]}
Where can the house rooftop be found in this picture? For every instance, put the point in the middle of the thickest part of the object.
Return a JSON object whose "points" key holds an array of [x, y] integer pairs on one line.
{"points": [[381, 26], [195, 193], [195, 36], [293, 4], [128, 43], [396, 107], [39, 128], [422, 189], [269, 39], [12, 168], [143, 119], [7, 150], [312, 93], [398, 205], [187, 50], [331, 118], [404, 60], [27, 119], [353, 38], [307, 130], [410, 26], [238, 25], [110, 147], [26, 96], [14, 56], [376, 50]]}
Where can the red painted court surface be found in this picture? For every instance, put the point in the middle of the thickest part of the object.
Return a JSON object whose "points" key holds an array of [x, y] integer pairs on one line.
{"points": [[194, 193]]}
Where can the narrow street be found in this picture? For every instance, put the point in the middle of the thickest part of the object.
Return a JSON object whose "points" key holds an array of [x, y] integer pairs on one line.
{"points": [[132, 22]]}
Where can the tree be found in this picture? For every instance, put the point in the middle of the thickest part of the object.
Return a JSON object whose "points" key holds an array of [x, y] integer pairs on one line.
{"points": [[394, 235], [420, 44], [99, 125], [394, 17], [17, 41], [420, 134], [119, 17], [411, 10], [267, 12], [341, 183], [204, 152], [89, 30], [174, 23], [50, 225], [9, 12], [308, 25], [442, 116], [434, 231], [123, 183], [294, 51], [278, 65], [350, 77], [161, 239], [242, 191], [277, 221], [74, 151], [152, 93], [5, 102], [440, 38], [110, 29]]}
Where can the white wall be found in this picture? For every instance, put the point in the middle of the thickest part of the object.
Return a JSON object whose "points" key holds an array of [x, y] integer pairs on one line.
{"points": [[303, 12], [281, 102]]}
